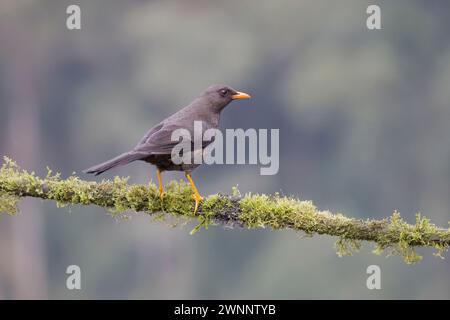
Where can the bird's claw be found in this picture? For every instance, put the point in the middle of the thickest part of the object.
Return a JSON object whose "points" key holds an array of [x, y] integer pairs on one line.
{"points": [[198, 199]]}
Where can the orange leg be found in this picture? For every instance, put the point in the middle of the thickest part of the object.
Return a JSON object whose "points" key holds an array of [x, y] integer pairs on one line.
{"points": [[161, 187], [197, 195]]}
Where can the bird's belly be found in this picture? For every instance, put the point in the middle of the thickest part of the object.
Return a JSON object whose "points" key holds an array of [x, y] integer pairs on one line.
{"points": [[164, 163]]}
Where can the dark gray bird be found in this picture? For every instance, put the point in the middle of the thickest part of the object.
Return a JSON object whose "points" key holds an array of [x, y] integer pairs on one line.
{"points": [[156, 146]]}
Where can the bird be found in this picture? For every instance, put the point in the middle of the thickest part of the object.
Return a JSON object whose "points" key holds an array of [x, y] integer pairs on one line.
{"points": [[155, 147]]}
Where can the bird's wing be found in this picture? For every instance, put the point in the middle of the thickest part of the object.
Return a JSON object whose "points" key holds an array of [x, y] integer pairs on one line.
{"points": [[149, 133], [159, 142], [159, 139]]}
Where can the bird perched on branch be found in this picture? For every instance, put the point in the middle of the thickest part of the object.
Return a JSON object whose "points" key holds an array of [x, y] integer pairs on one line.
{"points": [[156, 146]]}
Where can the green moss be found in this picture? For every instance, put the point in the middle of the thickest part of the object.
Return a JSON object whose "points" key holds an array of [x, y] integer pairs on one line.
{"points": [[235, 191], [259, 211], [402, 238], [393, 235], [12, 178], [212, 205], [8, 204], [346, 247], [178, 200]]}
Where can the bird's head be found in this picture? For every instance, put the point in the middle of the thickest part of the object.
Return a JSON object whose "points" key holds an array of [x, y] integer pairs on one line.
{"points": [[219, 96]]}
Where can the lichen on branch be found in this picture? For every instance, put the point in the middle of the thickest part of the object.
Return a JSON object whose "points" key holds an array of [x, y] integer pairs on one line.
{"points": [[252, 211]]}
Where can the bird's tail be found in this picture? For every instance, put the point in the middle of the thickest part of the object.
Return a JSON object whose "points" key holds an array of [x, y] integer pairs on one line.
{"points": [[124, 158]]}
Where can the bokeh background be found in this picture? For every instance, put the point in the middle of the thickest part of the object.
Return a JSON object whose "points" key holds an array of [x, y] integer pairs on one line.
{"points": [[364, 126]]}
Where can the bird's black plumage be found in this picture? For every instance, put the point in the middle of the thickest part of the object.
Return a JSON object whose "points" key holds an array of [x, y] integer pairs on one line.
{"points": [[156, 146]]}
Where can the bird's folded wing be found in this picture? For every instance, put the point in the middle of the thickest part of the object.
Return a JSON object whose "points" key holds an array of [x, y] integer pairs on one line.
{"points": [[150, 133], [159, 140]]}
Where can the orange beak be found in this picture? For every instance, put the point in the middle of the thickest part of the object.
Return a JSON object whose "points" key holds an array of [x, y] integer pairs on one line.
{"points": [[240, 95]]}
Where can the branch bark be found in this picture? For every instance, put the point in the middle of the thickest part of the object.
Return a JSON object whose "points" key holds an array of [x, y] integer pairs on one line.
{"points": [[247, 211]]}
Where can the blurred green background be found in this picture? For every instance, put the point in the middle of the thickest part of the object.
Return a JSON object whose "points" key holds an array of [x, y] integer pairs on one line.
{"points": [[364, 126]]}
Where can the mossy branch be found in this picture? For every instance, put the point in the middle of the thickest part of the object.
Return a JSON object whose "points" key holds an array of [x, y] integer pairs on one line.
{"points": [[248, 211]]}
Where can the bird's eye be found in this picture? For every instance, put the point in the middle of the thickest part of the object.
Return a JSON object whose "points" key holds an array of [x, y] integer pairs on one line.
{"points": [[223, 92]]}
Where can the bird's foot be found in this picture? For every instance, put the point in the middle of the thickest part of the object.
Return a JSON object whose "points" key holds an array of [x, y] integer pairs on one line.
{"points": [[162, 195], [198, 198]]}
